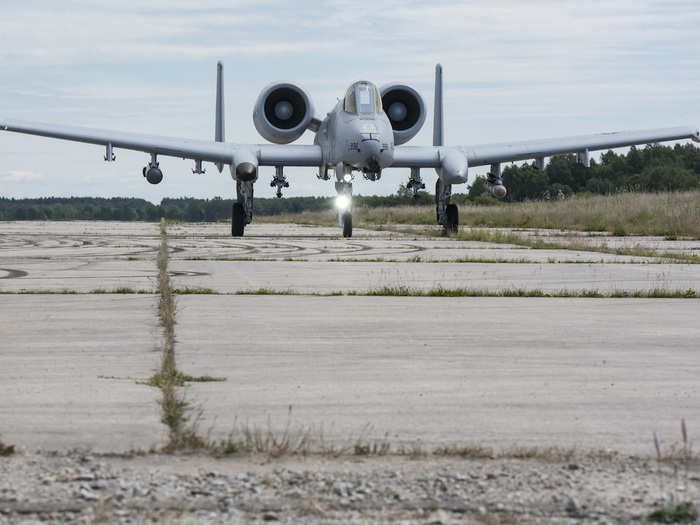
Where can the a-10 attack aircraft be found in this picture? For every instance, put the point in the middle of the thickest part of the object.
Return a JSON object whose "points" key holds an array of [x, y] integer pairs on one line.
{"points": [[364, 133]]}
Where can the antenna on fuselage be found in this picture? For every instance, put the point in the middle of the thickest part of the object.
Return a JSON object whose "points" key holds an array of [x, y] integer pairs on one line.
{"points": [[219, 125], [438, 131]]}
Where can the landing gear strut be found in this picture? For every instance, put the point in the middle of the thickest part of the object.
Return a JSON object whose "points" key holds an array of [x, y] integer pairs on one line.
{"points": [[447, 213], [242, 212]]}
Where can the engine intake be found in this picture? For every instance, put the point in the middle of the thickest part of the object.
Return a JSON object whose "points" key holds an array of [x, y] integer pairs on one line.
{"points": [[282, 113], [405, 109]]}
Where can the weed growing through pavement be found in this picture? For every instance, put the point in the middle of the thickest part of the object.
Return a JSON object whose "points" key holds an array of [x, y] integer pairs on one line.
{"points": [[673, 510], [194, 291], [177, 378], [176, 412], [405, 291], [6, 450]]}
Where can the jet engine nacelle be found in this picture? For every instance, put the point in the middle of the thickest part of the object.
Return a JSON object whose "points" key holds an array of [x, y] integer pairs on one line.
{"points": [[405, 109], [282, 113]]}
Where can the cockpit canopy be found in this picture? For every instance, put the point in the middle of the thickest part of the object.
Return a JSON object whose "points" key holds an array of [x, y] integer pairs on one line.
{"points": [[363, 98]]}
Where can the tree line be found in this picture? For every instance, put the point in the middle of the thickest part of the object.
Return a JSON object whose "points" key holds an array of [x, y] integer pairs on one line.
{"points": [[654, 168]]}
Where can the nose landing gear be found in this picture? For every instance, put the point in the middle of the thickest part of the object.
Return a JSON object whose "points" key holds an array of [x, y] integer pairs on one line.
{"points": [[343, 202], [347, 224], [242, 211]]}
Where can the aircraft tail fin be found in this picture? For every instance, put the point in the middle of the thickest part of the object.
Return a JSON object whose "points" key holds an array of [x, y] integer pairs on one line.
{"points": [[438, 130], [219, 135]]}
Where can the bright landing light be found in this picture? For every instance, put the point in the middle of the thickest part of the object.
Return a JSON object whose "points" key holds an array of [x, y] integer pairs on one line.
{"points": [[347, 177], [342, 202]]}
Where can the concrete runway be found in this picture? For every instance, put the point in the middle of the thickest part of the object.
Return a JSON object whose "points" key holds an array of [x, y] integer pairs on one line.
{"points": [[496, 371], [84, 256], [585, 373], [69, 366]]}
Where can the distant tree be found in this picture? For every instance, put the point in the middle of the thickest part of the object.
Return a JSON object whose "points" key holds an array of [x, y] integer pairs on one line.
{"points": [[477, 188]]}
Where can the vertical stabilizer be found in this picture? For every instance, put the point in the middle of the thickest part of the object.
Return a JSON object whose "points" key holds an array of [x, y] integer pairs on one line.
{"points": [[219, 135], [437, 112]]}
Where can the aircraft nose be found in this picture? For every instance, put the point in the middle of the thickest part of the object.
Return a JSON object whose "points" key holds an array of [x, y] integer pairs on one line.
{"points": [[375, 155], [370, 147]]}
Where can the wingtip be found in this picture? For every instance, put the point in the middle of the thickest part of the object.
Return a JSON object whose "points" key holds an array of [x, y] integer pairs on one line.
{"points": [[438, 67], [220, 64]]}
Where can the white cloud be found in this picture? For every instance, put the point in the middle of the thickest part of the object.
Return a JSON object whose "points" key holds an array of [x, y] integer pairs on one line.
{"points": [[20, 176]]}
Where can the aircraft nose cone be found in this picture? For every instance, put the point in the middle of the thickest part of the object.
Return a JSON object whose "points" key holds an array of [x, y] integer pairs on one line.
{"points": [[375, 158], [371, 147]]}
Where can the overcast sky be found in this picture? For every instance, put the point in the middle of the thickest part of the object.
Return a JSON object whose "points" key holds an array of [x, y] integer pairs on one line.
{"points": [[512, 70]]}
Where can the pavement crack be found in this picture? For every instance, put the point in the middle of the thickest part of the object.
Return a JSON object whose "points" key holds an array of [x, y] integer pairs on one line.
{"points": [[175, 410]]}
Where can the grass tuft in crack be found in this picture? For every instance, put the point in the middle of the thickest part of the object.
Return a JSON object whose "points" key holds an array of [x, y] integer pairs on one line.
{"points": [[177, 378], [176, 412], [6, 450]]}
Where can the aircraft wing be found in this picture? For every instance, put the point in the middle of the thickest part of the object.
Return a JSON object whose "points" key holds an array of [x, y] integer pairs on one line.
{"points": [[217, 152], [484, 154]]}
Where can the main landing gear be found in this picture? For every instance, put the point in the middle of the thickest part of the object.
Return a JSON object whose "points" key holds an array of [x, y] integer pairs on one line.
{"points": [[447, 213], [242, 212]]}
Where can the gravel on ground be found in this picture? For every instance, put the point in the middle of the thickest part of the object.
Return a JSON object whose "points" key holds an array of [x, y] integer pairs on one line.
{"points": [[81, 488]]}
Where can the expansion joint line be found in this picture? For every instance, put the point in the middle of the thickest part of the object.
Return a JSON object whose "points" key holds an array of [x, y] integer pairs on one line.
{"points": [[175, 410]]}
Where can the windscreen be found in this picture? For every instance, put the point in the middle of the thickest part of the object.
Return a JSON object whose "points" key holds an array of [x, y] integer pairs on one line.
{"points": [[365, 104], [363, 98]]}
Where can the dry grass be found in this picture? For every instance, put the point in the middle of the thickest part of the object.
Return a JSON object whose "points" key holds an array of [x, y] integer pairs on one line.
{"points": [[405, 291], [6, 450], [300, 440], [175, 411], [669, 214], [674, 213]]}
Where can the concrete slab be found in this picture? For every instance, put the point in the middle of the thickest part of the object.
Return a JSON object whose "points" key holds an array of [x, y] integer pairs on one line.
{"points": [[324, 277], [402, 248], [571, 372], [594, 239], [68, 371], [84, 256], [498, 371]]}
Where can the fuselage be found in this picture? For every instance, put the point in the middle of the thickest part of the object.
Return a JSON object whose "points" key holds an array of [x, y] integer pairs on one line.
{"points": [[357, 133]]}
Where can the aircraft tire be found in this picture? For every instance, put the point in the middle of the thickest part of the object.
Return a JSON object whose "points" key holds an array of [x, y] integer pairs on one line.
{"points": [[237, 220], [347, 224], [452, 218], [437, 190]]}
